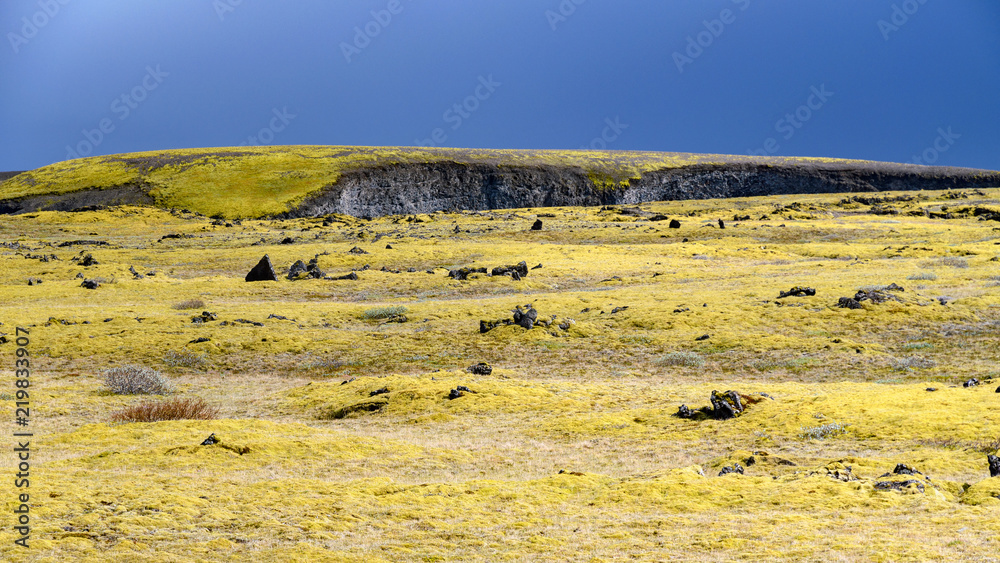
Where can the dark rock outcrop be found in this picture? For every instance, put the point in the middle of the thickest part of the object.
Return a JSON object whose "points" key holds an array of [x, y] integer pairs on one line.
{"points": [[263, 271]]}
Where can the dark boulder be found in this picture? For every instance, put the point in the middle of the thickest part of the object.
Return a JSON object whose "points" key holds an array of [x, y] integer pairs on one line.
{"points": [[734, 468], [525, 318], [848, 303], [263, 271], [537, 225], [463, 273], [210, 440], [204, 317], [482, 368], [90, 284], [994, 462], [797, 291], [674, 224], [516, 271]]}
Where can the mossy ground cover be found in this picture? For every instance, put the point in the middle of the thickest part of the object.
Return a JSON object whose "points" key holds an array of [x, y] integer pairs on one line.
{"points": [[339, 442]]}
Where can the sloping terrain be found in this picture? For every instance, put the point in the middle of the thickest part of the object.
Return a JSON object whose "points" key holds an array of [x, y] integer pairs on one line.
{"points": [[308, 181], [859, 331]]}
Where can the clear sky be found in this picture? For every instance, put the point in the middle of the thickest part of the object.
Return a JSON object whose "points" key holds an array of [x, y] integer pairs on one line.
{"points": [[892, 80]]}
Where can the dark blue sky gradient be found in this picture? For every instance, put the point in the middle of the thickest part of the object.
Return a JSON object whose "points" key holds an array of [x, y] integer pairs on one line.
{"points": [[231, 70]]}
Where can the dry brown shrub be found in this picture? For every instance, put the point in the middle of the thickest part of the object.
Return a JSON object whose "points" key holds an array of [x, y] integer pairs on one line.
{"points": [[170, 409]]}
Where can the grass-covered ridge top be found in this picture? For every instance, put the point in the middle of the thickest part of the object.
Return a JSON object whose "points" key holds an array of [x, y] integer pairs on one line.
{"points": [[248, 182]]}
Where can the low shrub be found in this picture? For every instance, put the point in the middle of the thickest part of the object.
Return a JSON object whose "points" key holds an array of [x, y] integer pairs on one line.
{"points": [[689, 359], [169, 409], [190, 304], [922, 276], [184, 359], [383, 312], [824, 431], [136, 380]]}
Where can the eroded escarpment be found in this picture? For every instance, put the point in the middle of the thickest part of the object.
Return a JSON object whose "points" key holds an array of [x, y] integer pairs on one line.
{"points": [[388, 185], [425, 188], [131, 194]]}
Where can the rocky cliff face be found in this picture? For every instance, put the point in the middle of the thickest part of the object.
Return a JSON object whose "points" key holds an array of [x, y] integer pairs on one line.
{"points": [[424, 188], [374, 189]]}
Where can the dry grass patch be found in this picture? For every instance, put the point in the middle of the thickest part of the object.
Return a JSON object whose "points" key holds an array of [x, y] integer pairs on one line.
{"points": [[170, 409]]}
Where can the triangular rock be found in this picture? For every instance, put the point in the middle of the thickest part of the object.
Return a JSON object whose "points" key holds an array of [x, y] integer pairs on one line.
{"points": [[263, 271]]}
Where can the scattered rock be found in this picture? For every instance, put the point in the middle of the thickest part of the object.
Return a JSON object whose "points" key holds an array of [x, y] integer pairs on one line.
{"points": [[703, 337], [674, 224], [90, 284], [797, 291], [994, 462], [971, 383], [357, 250], [454, 394], [722, 225], [931, 389], [135, 274], [516, 271], [726, 405], [351, 276], [86, 261], [482, 368], [173, 236], [34, 281], [279, 317], [848, 303], [735, 468], [204, 317], [463, 273], [381, 391], [388, 247], [263, 271], [287, 240], [210, 440], [199, 340], [537, 267], [685, 412], [525, 318], [301, 271], [899, 485], [537, 225], [83, 243]]}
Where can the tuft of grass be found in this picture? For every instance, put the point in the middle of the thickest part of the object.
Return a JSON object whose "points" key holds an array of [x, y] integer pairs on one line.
{"points": [[911, 363], [136, 380], [917, 345], [170, 409], [688, 359], [190, 304], [185, 359], [946, 262], [824, 431], [922, 276], [383, 312]]}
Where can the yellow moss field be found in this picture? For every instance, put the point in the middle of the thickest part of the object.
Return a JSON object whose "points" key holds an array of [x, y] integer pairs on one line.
{"points": [[350, 427]]}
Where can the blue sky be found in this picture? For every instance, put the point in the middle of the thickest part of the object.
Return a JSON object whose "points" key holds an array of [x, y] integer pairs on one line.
{"points": [[892, 80]]}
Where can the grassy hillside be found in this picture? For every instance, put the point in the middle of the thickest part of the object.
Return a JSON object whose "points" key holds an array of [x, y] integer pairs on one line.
{"points": [[339, 442], [261, 181]]}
